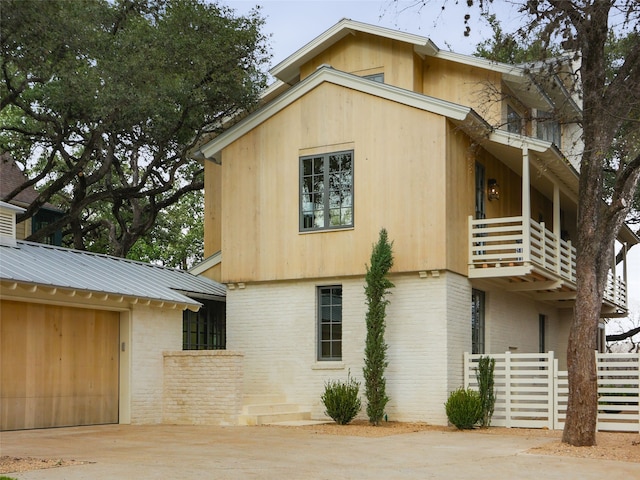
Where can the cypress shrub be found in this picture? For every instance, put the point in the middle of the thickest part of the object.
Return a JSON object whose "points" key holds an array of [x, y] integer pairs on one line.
{"points": [[484, 377], [375, 361]]}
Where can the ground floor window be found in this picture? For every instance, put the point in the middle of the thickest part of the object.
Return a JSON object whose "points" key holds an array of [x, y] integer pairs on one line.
{"points": [[542, 333], [206, 328], [477, 321], [330, 322]]}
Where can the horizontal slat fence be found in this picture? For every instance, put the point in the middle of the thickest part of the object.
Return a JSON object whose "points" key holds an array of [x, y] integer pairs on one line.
{"points": [[531, 392]]}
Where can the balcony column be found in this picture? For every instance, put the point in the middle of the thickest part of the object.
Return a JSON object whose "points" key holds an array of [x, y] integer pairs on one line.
{"points": [[526, 207], [556, 225]]}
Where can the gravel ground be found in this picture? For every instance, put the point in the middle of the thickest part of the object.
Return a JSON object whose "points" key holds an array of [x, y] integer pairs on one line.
{"points": [[611, 446]]}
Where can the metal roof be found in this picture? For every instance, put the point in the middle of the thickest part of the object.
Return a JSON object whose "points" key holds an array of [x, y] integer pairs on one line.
{"points": [[50, 266]]}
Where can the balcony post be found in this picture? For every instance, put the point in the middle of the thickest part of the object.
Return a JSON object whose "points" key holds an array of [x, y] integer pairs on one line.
{"points": [[556, 226], [526, 207]]}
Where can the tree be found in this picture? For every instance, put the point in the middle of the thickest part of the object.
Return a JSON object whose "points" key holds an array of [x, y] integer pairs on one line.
{"points": [[375, 361], [101, 102], [610, 112]]}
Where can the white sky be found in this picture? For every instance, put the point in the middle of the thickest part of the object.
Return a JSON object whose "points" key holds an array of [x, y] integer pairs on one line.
{"points": [[292, 24]]}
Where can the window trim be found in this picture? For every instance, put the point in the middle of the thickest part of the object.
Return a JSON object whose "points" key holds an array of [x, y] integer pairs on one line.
{"points": [[319, 357], [326, 206]]}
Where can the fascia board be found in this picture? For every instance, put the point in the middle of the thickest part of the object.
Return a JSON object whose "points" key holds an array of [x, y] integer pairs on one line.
{"points": [[329, 75], [504, 68], [206, 264]]}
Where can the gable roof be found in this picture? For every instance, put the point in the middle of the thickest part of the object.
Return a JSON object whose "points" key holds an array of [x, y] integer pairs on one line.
{"points": [[212, 149], [518, 77], [39, 265]]}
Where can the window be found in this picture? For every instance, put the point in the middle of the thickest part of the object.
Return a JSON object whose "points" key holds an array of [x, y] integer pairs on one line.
{"points": [[326, 191], [542, 323], [376, 77], [514, 120], [206, 328], [548, 128], [330, 323], [477, 321]]}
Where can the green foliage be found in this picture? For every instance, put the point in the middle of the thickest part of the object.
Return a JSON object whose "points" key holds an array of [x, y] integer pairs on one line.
{"points": [[375, 362], [513, 48], [484, 377], [341, 399], [103, 103], [464, 408]]}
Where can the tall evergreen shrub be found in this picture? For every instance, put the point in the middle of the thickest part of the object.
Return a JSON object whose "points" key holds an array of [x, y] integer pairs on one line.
{"points": [[375, 361], [484, 376]]}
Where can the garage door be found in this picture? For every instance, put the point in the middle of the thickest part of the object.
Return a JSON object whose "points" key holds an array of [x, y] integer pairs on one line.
{"points": [[58, 366]]}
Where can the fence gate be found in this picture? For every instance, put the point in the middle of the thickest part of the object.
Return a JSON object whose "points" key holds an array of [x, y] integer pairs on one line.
{"points": [[531, 392]]}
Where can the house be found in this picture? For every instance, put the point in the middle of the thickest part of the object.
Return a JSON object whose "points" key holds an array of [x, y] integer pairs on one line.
{"points": [[91, 339], [456, 156], [12, 177]]}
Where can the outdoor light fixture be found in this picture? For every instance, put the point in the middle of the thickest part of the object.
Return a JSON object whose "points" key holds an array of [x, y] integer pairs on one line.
{"points": [[493, 189]]}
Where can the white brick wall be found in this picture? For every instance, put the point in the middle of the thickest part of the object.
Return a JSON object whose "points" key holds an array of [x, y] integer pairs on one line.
{"points": [[202, 387], [153, 331], [274, 325]]}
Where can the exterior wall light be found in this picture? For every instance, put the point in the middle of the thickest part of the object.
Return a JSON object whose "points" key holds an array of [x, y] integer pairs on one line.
{"points": [[493, 189]]}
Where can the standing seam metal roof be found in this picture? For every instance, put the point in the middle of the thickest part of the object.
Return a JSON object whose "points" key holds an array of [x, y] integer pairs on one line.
{"points": [[50, 266]]}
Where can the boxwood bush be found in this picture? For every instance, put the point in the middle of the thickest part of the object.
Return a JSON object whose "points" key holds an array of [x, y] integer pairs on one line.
{"points": [[464, 408], [341, 399]]}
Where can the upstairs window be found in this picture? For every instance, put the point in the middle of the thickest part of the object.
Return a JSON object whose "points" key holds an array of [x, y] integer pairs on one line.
{"points": [[514, 120], [326, 191], [548, 128]]}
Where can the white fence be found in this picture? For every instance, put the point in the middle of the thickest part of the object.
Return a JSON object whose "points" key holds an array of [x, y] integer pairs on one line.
{"points": [[531, 392]]}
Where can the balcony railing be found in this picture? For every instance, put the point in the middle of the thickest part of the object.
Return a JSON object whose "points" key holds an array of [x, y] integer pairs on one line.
{"points": [[511, 246]]}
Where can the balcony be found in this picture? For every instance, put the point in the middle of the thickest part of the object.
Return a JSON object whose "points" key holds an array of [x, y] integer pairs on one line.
{"points": [[527, 257]]}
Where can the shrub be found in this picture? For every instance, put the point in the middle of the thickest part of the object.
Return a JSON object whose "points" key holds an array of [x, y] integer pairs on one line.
{"points": [[464, 408], [341, 399], [484, 376]]}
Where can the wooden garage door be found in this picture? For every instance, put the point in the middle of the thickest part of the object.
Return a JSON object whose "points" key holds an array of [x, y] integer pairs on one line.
{"points": [[58, 366]]}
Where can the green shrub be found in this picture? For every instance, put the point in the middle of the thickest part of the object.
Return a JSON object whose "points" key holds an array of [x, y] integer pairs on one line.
{"points": [[341, 399], [464, 408], [484, 376]]}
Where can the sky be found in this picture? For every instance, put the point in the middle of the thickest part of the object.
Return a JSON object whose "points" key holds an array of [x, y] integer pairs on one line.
{"points": [[292, 24]]}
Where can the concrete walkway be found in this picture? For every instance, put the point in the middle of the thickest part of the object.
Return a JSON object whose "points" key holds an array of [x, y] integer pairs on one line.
{"points": [[198, 452]]}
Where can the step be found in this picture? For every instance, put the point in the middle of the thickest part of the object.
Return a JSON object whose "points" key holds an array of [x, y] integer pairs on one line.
{"points": [[270, 418], [268, 408], [263, 399]]}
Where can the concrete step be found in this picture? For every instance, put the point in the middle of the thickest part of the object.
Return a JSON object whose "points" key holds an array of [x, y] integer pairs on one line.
{"points": [[263, 399], [294, 415], [269, 408]]}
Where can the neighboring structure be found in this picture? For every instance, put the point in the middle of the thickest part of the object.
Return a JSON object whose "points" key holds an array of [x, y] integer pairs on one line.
{"points": [[12, 177], [92, 339], [368, 128]]}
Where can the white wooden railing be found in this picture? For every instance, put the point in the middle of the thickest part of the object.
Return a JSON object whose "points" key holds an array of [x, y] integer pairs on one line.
{"points": [[531, 392], [511, 241]]}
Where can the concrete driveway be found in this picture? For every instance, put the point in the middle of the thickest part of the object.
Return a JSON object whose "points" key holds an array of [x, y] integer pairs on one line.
{"points": [[199, 452]]}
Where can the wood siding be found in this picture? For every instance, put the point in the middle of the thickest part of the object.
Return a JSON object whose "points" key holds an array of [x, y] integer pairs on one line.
{"points": [[58, 366], [364, 54], [465, 85], [395, 186]]}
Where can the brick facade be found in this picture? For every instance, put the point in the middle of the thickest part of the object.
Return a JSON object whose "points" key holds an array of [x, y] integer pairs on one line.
{"points": [[202, 387]]}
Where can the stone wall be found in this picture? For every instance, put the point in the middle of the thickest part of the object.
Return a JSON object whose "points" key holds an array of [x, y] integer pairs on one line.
{"points": [[202, 387]]}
